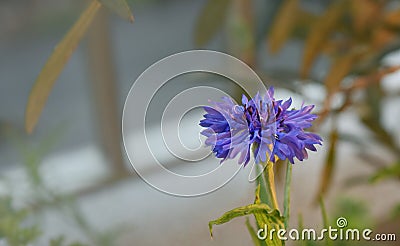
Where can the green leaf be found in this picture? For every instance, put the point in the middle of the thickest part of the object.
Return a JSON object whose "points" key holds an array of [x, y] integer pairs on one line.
{"points": [[269, 216], [120, 7], [14, 226], [55, 64], [210, 20], [263, 219], [263, 213]]}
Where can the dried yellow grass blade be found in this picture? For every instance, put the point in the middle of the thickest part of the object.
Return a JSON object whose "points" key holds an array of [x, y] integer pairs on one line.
{"points": [[339, 69], [364, 14], [283, 25], [386, 33], [54, 65], [319, 34], [120, 7]]}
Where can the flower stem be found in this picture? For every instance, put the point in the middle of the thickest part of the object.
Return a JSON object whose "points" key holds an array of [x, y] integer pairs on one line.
{"points": [[286, 203], [270, 184]]}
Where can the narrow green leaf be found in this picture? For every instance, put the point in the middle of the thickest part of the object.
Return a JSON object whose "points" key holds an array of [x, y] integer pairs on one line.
{"points": [[300, 222], [52, 69], [120, 7], [286, 201], [210, 20]]}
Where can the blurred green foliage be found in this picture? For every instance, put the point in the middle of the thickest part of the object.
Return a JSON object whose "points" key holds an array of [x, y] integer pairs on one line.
{"points": [[13, 222], [13, 227], [354, 211], [263, 214]]}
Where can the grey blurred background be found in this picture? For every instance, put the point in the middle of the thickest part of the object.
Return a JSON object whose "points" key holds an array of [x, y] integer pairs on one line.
{"points": [[72, 175]]}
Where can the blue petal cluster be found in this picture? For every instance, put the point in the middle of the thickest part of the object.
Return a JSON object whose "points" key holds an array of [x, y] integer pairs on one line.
{"points": [[267, 124]]}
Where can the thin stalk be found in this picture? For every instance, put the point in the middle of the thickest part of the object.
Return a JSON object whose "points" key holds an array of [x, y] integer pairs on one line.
{"points": [[270, 184], [286, 203], [264, 196], [324, 217], [323, 211]]}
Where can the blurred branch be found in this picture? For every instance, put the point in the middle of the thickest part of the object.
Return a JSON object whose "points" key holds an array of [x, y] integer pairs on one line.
{"points": [[103, 77], [358, 83], [369, 79], [374, 59]]}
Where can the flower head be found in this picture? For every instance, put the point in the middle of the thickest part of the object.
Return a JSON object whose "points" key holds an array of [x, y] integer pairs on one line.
{"points": [[267, 124]]}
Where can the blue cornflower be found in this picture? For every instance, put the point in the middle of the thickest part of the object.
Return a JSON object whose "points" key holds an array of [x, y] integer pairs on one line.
{"points": [[262, 122]]}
